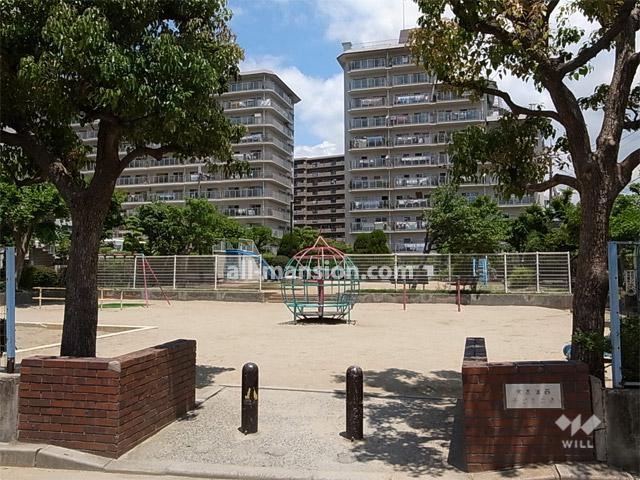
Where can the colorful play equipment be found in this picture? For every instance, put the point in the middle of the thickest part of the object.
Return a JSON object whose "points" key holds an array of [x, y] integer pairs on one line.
{"points": [[320, 283]]}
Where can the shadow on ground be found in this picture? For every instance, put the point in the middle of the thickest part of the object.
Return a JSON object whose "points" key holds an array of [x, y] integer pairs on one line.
{"points": [[206, 374], [399, 381], [418, 436]]}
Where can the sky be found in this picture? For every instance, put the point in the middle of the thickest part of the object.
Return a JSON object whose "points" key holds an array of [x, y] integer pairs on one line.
{"points": [[300, 40]]}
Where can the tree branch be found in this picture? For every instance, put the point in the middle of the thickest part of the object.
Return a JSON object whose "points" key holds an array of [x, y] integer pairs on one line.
{"points": [[626, 167], [554, 181], [587, 53], [49, 166], [519, 109], [138, 152]]}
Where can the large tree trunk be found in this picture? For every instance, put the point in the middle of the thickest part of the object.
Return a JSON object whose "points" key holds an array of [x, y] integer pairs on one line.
{"points": [[591, 284], [81, 298]]}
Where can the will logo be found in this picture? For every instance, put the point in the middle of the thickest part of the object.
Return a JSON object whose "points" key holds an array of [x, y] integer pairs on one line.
{"points": [[576, 424]]}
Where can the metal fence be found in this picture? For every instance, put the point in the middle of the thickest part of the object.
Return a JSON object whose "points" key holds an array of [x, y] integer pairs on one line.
{"points": [[624, 304], [504, 272]]}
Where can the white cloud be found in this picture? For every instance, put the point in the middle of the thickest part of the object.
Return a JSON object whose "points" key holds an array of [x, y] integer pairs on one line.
{"points": [[320, 110], [361, 21]]}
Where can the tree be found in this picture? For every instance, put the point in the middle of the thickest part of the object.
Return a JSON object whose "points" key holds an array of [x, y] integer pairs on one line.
{"points": [[536, 40], [28, 212], [297, 239], [262, 237], [625, 216], [555, 228], [371, 243], [456, 225], [146, 74], [164, 229]]}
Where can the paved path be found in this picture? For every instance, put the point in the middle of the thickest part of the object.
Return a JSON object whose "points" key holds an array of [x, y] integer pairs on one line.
{"points": [[17, 473], [301, 430]]}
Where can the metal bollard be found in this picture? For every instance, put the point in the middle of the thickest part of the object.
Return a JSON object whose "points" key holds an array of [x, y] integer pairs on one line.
{"points": [[355, 414], [249, 398]]}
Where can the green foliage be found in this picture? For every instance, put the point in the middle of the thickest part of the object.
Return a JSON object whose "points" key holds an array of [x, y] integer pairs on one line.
{"points": [[165, 229], [38, 276], [263, 237], [555, 228], [371, 243], [511, 152], [275, 260], [630, 346], [456, 225], [115, 217], [153, 66], [294, 241], [625, 216], [303, 237], [521, 277]]}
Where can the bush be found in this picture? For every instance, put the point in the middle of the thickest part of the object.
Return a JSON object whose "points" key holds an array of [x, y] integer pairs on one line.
{"points": [[630, 346], [522, 277], [371, 243], [37, 276], [276, 260]]}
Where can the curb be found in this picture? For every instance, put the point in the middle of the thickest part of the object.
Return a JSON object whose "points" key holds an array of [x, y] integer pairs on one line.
{"points": [[52, 457]]}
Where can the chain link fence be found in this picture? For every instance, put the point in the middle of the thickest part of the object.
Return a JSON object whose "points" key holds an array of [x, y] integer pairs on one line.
{"points": [[505, 272]]}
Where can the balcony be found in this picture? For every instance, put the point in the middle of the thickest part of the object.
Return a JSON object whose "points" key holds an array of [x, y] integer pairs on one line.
{"points": [[437, 160], [402, 226], [369, 205], [427, 139], [260, 85], [515, 202], [408, 247], [367, 64], [417, 182], [255, 212], [371, 163], [368, 142], [369, 184], [413, 203], [371, 102], [365, 83]]}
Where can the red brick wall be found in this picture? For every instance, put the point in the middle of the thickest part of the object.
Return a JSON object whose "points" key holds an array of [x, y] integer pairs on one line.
{"points": [[496, 437], [105, 405]]}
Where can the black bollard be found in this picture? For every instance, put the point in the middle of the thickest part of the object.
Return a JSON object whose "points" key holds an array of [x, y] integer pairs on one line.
{"points": [[249, 398], [355, 415]]}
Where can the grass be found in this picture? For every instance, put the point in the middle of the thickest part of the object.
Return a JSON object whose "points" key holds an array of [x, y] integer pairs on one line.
{"points": [[124, 305]]}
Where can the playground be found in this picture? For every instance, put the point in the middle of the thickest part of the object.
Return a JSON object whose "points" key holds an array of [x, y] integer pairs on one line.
{"points": [[421, 344]]}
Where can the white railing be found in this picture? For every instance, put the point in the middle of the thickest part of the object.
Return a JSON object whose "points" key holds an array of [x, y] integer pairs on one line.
{"points": [[531, 272]]}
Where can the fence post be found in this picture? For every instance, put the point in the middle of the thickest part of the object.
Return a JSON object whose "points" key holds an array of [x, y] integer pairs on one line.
{"points": [[614, 306], [537, 272], [135, 269], [260, 272], [10, 302], [395, 271], [175, 264], [215, 272], [569, 270], [449, 267], [506, 285]]}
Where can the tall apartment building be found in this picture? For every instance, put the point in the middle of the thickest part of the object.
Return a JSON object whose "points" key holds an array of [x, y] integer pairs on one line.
{"points": [[319, 194], [398, 121], [262, 102]]}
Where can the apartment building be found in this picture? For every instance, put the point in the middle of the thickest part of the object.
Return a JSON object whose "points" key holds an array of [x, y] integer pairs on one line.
{"points": [[319, 194], [262, 102], [398, 122]]}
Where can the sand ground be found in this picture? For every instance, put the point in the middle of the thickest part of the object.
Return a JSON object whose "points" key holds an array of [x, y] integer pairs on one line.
{"points": [[416, 352]]}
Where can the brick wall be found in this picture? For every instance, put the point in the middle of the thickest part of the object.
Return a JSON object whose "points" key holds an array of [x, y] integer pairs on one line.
{"points": [[497, 437], [105, 406]]}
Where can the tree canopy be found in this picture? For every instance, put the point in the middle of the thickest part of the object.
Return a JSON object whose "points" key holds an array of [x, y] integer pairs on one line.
{"points": [[146, 74], [472, 46], [371, 243], [457, 225]]}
